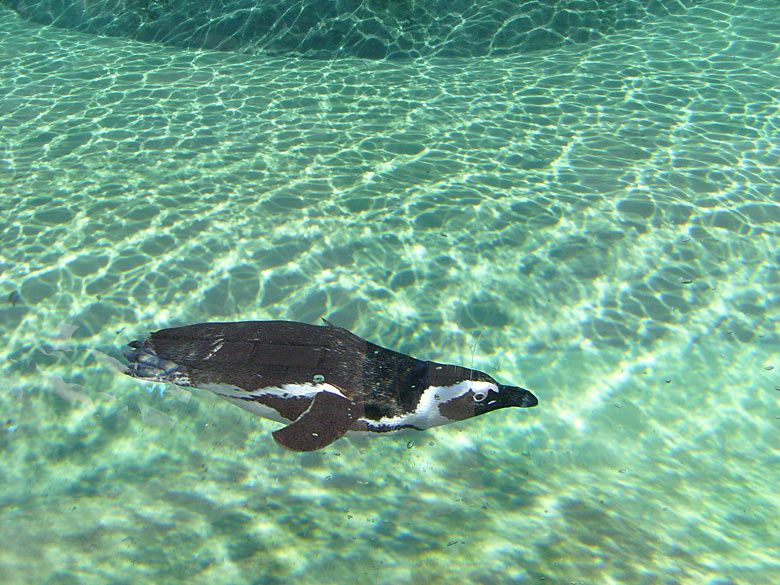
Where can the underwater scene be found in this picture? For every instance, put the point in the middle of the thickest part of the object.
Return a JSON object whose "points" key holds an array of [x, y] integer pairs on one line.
{"points": [[578, 197]]}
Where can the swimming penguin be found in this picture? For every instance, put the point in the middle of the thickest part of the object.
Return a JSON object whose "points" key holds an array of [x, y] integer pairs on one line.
{"points": [[321, 381]]}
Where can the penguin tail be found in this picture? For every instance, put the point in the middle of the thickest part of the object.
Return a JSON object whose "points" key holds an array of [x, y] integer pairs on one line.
{"points": [[146, 364]]}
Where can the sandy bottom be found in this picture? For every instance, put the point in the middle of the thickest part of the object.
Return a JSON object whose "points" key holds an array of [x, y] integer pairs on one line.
{"points": [[598, 223]]}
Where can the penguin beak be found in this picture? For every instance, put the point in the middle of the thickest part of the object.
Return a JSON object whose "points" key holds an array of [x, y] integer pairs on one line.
{"points": [[516, 396]]}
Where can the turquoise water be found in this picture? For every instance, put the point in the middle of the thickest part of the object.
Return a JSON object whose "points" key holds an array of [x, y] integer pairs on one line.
{"points": [[598, 222]]}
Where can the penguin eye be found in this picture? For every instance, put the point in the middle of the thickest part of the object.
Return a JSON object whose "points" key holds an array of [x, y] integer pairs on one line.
{"points": [[479, 396]]}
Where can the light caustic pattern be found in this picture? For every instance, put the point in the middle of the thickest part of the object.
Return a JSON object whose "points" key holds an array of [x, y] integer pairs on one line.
{"points": [[369, 29], [600, 219]]}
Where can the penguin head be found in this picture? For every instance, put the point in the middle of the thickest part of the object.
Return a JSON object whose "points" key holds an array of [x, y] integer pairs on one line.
{"points": [[508, 396], [470, 398]]}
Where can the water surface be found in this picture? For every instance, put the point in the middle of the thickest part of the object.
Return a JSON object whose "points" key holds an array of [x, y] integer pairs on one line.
{"points": [[599, 219]]}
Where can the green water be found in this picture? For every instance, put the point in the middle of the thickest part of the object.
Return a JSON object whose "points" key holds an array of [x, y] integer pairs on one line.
{"points": [[601, 221], [372, 29]]}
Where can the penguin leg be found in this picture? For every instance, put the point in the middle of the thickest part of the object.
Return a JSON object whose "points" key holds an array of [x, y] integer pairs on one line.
{"points": [[147, 365], [327, 418]]}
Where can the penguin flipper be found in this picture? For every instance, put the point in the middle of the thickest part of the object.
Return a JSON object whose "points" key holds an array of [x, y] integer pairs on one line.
{"points": [[327, 418]]}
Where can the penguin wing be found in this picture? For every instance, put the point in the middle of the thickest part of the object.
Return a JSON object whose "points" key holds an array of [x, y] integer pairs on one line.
{"points": [[256, 354], [327, 418]]}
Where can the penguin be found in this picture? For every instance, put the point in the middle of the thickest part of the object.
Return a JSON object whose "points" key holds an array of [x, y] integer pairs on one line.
{"points": [[321, 381]]}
